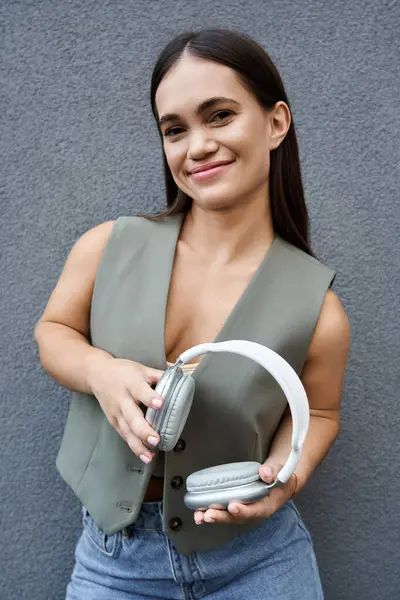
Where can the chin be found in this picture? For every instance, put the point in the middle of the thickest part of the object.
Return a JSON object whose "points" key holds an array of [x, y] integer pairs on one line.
{"points": [[214, 204], [220, 199]]}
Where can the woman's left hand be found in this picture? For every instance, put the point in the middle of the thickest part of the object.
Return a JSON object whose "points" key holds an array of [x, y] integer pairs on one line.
{"points": [[237, 512]]}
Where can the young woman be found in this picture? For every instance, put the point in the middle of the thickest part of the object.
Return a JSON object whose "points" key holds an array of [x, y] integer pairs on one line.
{"points": [[236, 204]]}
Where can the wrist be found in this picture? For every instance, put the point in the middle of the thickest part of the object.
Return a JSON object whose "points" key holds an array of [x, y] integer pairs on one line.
{"points": [[94, 364]]}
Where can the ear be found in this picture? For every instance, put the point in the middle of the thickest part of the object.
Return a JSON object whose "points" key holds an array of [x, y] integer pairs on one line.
{"points": [[279, 123]]}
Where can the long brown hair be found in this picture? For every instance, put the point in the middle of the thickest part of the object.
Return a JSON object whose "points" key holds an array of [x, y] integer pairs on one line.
{"points": [[259, 74]]}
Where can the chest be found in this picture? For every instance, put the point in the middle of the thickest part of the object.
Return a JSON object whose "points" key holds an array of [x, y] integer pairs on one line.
{"points": [[200, 300]]}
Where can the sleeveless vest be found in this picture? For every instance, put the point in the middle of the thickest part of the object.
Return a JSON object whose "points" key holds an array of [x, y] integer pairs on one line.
{"points": [[237, 405]]}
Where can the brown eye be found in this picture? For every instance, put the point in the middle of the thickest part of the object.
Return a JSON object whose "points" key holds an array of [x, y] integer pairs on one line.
{"points": [[221, 115], [173, 131]]}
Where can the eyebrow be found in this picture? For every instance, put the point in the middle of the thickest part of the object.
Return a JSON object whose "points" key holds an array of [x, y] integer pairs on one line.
{"points": [[203, 106]]}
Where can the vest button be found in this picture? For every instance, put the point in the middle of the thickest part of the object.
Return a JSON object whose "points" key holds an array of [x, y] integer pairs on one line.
{"points": [[175, 523], [177, 482], [180, 445]]}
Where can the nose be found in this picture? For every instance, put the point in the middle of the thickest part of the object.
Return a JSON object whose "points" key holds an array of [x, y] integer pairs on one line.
{"points": [[201, 144]]}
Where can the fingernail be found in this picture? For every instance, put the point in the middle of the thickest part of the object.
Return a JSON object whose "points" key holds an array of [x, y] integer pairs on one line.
{"points": [[145, 458], [153, 440], [209, 519], [267, 471], [234, 510], [157, 403]]}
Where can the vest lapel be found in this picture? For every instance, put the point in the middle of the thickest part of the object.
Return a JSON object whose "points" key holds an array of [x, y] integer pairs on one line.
{"points": [[161, 259]]}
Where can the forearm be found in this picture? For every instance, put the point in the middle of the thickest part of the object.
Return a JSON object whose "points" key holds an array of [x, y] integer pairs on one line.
{"points": [[321, 435], [67, 356]]}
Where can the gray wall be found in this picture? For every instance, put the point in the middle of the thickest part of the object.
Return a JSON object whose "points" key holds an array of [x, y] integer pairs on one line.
{"points": [[78, 146]]}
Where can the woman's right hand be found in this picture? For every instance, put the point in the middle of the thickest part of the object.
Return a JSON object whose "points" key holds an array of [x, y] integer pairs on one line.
{"points": [[120, 386]]}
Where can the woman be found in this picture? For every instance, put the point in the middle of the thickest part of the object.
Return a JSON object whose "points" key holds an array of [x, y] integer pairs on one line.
{"points": [[234, 194]]}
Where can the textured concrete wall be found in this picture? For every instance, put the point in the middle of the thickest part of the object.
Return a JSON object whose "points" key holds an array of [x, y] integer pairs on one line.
{"points": [[78, 146]]}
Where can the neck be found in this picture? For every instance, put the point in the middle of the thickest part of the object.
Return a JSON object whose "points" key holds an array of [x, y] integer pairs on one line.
{"points": [[237, 233]]}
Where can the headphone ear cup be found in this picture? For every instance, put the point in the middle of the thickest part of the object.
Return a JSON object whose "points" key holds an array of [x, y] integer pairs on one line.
{"points": [[152, 415], [218, 486], [176, 410], [223, 476]]}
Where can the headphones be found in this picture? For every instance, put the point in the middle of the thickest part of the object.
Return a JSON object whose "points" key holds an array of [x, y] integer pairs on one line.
{"points": [[217, 486]]}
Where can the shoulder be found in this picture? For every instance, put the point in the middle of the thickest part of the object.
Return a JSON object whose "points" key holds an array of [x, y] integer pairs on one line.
{"points": [[332, 334], [97, 235], [108, 237], [307, 272], [89, 247]]}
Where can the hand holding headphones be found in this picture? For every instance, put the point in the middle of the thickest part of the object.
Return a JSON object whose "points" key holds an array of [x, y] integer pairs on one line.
{"points": [[219, 485]]}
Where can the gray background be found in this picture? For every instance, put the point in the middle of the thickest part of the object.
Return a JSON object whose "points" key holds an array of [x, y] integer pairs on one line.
{"points": [[78, 146]]}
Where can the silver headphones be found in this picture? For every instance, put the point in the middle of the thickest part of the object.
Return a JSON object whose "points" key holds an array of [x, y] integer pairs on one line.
{"points": [[218, 486]]}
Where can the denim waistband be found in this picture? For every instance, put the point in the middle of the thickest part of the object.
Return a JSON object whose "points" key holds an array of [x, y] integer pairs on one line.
{"points": [[150, 517]]}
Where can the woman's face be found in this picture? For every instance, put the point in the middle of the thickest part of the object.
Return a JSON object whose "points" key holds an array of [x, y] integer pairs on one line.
{"points": [[208, 117]]}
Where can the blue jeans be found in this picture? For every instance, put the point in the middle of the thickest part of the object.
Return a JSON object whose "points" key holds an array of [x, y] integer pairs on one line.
{"points": [[274, 561]]}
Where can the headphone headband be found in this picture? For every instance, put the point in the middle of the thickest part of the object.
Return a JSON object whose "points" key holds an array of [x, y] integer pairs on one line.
{"points": [[285, 376]]}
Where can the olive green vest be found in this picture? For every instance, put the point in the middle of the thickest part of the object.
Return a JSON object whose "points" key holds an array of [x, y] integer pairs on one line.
{"points": [[237, 405]]}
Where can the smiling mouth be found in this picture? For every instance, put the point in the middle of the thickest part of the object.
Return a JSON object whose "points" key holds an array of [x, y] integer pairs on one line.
{"points": [[211, 171]]}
